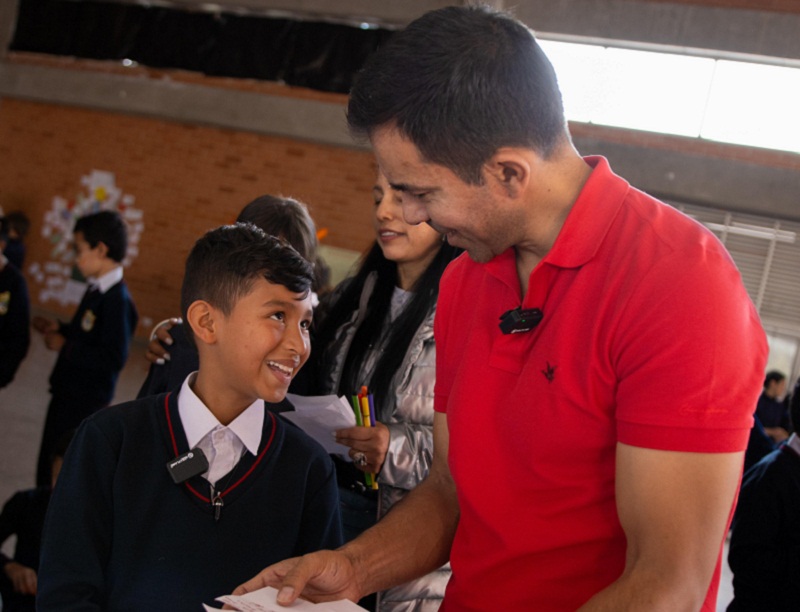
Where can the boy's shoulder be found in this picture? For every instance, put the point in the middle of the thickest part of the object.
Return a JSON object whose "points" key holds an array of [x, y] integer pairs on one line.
{"points": [[118, 291], [27, 499], [298, 443], [10, 274], [134, 415]]}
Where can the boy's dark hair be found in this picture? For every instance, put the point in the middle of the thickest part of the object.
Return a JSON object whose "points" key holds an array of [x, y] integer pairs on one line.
{"points": [[107, 227], [773, 376], [460, 83], [224, 263], [284, 217], [18, 222]]}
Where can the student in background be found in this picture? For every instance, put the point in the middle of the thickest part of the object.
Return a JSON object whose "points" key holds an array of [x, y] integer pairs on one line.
{"points": [[15, 324], [93, 346], [764, 550], [376, 329], [771, 408], [18, 226], [172, 356], [148, 537], [23, 516]]}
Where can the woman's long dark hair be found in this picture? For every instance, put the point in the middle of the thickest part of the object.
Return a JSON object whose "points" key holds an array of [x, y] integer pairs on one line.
{"points": [[424, 295]]}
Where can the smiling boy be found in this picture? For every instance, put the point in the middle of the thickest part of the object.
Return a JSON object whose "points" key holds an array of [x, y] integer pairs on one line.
{"points": [[141, 520]]}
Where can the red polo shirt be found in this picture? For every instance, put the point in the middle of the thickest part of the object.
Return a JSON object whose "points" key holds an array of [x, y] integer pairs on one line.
{"points": [[648, 338]]}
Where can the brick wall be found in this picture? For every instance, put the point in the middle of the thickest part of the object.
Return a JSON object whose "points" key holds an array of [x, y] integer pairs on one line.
{"points": [[184, 178]]}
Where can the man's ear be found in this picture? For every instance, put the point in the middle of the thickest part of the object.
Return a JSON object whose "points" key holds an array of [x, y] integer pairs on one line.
{"points": [[202, 317], [511, 169]]}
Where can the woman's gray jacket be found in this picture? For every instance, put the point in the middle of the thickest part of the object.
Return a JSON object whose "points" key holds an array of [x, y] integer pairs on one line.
{"points": [[408, 413]]}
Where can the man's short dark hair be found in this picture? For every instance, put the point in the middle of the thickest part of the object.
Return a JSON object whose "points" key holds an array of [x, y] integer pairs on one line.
{"points": [[108, 227], [460, 83], [773, 376], [224, 263]]}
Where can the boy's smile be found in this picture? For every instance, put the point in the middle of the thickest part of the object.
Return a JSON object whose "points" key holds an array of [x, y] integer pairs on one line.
{"points": [[255, 350]]}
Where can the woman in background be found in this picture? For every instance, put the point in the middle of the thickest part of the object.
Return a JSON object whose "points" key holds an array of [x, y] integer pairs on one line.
{"points": [[376, 329]]}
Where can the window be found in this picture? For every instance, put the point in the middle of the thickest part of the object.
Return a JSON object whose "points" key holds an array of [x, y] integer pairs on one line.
{"points": [[737, 102]]}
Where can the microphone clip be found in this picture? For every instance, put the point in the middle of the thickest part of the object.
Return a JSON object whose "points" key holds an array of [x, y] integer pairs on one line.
{"points": [[519, 321]]}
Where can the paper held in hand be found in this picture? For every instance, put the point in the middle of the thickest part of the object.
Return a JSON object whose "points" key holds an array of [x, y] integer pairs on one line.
{"points": [[263, 600], [319, 416]]}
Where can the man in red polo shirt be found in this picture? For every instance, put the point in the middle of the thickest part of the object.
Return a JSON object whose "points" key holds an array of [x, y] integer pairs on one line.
{"points": [[597, 355]]}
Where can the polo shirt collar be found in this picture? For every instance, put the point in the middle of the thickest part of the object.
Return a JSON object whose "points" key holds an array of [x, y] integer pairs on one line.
{"points": [[584, 229], [109, 279], [198, 421], [591, 216]]}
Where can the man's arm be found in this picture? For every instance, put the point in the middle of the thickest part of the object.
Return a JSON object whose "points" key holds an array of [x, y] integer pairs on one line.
{"points": [[413, 539], [674, 508]]}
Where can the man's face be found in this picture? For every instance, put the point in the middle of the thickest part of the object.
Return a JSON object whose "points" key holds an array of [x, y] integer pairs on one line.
{"points": [[470, 216], [264, 341]]}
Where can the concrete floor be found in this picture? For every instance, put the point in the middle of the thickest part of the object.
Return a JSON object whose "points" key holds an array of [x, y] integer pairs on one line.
{"points": [[22, 409]]}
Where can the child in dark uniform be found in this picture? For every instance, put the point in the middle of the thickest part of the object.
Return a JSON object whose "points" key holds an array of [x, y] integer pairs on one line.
{"points": [[15, 323], [23, 516], [93, 347], [155, 526]]}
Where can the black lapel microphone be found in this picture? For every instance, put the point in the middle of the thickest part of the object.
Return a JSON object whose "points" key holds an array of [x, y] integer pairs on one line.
{"points": [[188, 465], [519, 321]]}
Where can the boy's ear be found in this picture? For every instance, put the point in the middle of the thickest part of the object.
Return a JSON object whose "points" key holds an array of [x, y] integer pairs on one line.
{"points": [[102, 249], [201, 316]]}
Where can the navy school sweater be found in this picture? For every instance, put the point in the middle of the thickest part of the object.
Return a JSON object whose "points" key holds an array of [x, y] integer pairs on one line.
{"points": [[97, 342], [121, 535]]}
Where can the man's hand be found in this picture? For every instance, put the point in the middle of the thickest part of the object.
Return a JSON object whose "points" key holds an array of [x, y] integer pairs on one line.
{"points": [[371, 442], [22, 577], [160, 339], [327, 575]]}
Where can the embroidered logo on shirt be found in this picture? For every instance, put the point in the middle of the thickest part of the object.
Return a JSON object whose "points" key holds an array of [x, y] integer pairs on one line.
{"points": [[87, 323], [5, 300], [549, 372]]}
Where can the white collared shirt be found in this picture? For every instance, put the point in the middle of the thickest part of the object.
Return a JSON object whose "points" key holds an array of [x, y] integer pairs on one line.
{"points": [[223, 445], [106, 281]]}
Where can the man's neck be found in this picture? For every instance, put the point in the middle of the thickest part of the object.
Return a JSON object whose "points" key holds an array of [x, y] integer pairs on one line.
{"points": [[552, 200]]}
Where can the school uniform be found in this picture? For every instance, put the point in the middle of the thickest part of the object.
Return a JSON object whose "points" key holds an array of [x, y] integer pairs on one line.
{"points": [[23, 517], [15, 320], [146, 542], [88, 365]]}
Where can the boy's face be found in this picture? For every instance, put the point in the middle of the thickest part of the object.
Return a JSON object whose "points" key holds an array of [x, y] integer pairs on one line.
{"points": [[264, 341], [89, 260]]}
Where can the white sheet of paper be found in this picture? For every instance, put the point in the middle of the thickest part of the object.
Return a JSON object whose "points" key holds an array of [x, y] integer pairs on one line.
{"points": [[264, 600], [319, 416]]}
